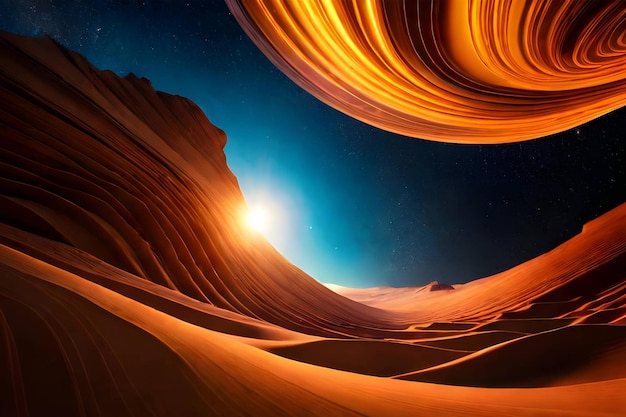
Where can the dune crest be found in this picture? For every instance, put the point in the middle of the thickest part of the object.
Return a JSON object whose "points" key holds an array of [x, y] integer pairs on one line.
{"points": [[129, 286]]}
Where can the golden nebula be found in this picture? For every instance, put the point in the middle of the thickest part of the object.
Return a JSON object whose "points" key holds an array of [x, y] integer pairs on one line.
{"points": [[466, 71]]}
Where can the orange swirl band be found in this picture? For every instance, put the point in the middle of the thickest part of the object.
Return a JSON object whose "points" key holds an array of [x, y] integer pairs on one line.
{"points": [[466, 71]]}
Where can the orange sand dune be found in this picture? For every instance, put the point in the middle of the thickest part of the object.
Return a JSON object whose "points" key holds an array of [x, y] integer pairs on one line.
{"points": [[472, 341], [364, 356], [129, 287], [109, 355], [595, 354], [585, 274]]}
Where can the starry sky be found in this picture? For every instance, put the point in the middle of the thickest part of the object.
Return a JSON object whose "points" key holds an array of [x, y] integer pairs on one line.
{"points": [[350, 204]]}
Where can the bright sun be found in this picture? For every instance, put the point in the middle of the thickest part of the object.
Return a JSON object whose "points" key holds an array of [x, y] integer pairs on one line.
{"points": [[257, 219]]}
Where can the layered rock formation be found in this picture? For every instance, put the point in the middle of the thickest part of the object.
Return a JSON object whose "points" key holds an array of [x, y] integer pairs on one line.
{"points": [[138, 179], [129, 287]]}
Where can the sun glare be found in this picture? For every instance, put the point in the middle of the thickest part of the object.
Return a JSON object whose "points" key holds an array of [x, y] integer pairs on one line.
{"points": [[257, 219], [265, 215]]}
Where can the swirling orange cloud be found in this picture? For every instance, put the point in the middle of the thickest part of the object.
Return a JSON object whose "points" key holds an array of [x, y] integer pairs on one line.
{"points": [[466, 71]]}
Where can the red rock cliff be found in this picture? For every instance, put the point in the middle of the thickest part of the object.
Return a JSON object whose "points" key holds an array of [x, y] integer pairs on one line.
{"points": [[138, 179]]}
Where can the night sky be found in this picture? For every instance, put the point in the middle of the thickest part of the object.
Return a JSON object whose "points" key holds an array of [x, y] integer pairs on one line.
{"points": [[351, 204]]}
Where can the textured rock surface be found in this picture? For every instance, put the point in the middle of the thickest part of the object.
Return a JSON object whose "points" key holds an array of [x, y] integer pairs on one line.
{"points": [[139, 180]]}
